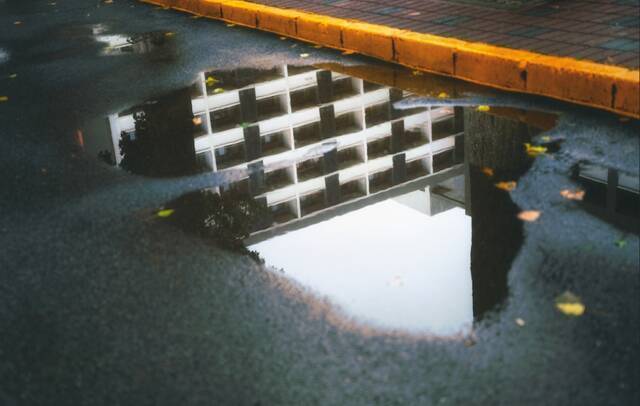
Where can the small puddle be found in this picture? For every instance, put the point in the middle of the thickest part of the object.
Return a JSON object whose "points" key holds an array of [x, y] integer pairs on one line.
{"points": [[74, 41], [398, 212], [143, 43]]}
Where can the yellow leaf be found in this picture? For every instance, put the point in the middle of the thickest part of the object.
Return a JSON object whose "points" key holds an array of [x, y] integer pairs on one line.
{"points": [[488, 171], [417, 73], [534, 150], [231, 25], [570, 304], [572, 194], [443, 95], [348, 52], [508, 186], [4, 99], [169, 34], [529, 215], [317, 46], [211, 81], [165, 213], [484, 108], [218, 90]]}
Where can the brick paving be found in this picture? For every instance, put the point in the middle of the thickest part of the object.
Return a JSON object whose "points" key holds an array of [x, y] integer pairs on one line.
{"points": [[604, 31]]}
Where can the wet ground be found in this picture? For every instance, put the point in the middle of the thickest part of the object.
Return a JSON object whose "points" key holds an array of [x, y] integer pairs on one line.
{"points": [[195, 213]]}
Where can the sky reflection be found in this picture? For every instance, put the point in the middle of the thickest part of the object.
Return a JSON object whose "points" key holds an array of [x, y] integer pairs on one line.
{"points": [[389, 265]]}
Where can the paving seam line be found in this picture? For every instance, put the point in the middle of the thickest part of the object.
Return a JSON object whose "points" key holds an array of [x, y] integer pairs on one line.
{"points": [[606, 87]]}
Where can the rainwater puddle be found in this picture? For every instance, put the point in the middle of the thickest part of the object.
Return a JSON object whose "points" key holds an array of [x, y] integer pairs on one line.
{"points": [[401, 217], [144, 43]]}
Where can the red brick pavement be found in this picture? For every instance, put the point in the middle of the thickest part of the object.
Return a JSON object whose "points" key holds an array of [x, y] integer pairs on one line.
{"points": [[604, 31]]}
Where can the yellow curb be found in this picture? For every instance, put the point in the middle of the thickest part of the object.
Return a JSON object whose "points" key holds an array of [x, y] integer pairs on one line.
{"points": [[605, 87]]}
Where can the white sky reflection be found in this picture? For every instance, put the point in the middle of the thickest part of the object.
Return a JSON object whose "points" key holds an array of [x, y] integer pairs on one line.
{"points": [[388, 265]]}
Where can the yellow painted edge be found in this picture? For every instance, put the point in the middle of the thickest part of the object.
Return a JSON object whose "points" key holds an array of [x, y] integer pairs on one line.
{"points": [[577, 72]]}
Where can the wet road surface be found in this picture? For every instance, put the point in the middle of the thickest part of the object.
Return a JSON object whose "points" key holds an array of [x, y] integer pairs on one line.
{"points": [[322, 230]]}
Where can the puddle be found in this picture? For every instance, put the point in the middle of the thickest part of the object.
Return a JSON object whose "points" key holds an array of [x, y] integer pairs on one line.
{"points": [[390, 209], [74, 41], [610, 195], [144, 43]]}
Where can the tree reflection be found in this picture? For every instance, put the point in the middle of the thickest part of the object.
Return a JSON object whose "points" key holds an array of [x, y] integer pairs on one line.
{"points": [[162, 141], [227, 219]]}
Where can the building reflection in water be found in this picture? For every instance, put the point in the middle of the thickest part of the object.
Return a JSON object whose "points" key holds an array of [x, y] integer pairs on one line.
{"points": [[395, 223], [611, 195]]}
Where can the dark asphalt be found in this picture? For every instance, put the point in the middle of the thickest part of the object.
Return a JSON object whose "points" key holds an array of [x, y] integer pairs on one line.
{"points": [[102, 305]]}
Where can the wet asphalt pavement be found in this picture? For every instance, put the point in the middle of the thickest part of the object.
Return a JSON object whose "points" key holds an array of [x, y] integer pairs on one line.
{"points": [[102, 304]]}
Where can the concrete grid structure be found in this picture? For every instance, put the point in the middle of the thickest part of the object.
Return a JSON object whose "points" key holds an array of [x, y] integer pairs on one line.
{"points": [[273, 124], [293, 111]]}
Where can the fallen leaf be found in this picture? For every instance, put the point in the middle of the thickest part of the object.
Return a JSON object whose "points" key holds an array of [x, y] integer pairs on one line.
{"points": [[529, 215], [534, 150], [218, 90], [283, 38], [211, 81], [417, 73], [443, 95], [570, 304], [4, 99], [348, 52], [17, 22], [304, 55], [108, 1], [317, 46], [508, 186], [169, 34], [520, 322], [231, 25], [197, 120], [13, 76], [488, 171], [165, 213], [572, 194], [484, 108]]}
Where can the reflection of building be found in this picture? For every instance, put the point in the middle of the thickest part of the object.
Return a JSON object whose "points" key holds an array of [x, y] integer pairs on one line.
{"points": [[258, 119], [289, 111], [321, 148], [611, 195]]}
